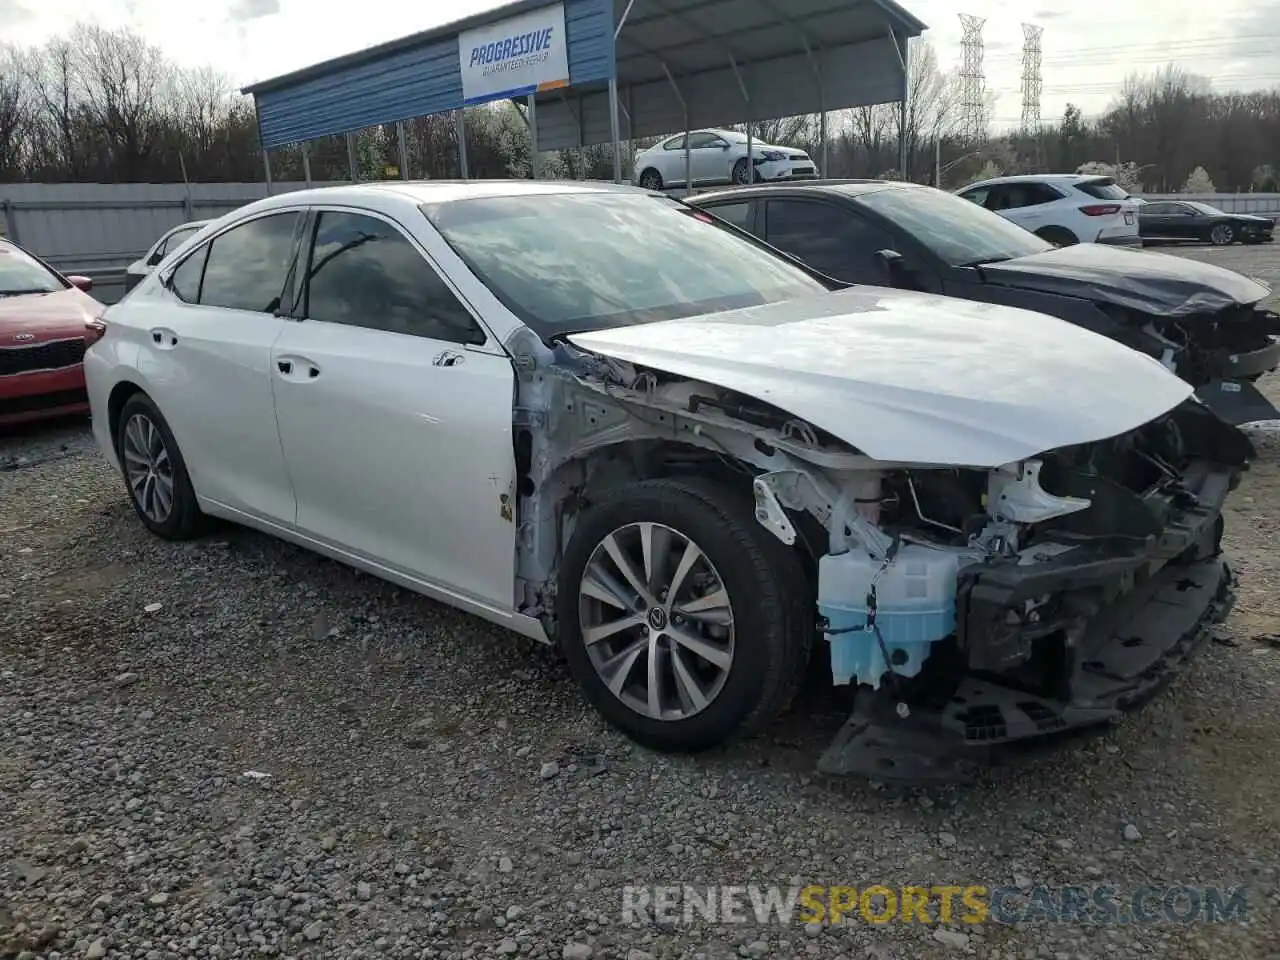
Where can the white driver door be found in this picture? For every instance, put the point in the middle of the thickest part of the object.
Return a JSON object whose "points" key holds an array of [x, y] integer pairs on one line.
{"points": [[394, 410]]}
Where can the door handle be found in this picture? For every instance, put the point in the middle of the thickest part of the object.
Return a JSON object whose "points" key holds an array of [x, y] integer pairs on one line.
{"points": [[296, 368], [163, 338], [449, 358]]}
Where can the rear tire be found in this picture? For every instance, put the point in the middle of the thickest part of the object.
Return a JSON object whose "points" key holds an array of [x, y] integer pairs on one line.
{"points": [[744, 642], [1059, 236], [154, 472]]}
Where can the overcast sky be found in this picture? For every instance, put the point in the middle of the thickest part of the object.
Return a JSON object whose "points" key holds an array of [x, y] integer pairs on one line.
{"points": [[1089, 45]]}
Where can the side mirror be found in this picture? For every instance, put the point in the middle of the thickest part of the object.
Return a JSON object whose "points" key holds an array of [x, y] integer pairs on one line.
{"points": [[724, 146], [81, 283], [155, 258], [893, 265]]}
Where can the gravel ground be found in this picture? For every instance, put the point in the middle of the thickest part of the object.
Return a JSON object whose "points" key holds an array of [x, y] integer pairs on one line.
{"points": [[233, 748]]}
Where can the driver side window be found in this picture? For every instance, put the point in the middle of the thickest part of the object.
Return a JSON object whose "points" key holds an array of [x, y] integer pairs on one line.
{"points": [[703, 141], [828, 238]]}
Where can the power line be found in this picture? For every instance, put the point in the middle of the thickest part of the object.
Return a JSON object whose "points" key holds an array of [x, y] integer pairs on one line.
{"points": [[1181, 46]]}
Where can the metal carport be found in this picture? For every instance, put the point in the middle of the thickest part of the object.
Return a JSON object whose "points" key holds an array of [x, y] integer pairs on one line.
{"points": [[635, 68]]}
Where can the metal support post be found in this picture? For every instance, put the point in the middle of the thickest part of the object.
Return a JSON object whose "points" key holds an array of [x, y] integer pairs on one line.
{"points": [[534, 164], [904, 61], [403, 139], [688, 154], [614, 130], [306, 163], [352, 165], [266, 166], [746, 98], [462, 143]]}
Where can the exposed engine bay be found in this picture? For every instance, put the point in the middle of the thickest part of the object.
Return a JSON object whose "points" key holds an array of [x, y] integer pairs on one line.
{"points": [[969, 607]]}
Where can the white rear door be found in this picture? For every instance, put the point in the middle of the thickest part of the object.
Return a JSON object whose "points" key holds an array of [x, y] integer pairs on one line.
{"points": [[205, 351]]}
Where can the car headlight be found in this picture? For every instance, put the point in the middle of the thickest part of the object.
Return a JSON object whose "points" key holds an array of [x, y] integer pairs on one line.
{"points": [[773, 155]]}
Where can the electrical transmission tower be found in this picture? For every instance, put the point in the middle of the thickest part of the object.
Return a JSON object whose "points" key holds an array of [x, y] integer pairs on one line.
{"points": [[1032, 82], [973, 120]]}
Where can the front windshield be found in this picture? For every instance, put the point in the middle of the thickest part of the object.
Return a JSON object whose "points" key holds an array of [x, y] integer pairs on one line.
{"points": [[20, 274], [957, 231], [569, 262], [1205, 208]]}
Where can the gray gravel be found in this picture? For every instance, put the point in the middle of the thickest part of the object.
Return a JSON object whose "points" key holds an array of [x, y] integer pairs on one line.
{"points": [[232, 748]]}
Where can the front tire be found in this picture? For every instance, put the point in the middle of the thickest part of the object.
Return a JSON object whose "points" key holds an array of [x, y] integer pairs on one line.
{"points": [[739, 174], [685, 621], [1222, 235], [651, 179], [154, 472]]}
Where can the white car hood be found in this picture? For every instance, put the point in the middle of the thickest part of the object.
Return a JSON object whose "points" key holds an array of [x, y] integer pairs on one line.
{"points": [[913, 377]]}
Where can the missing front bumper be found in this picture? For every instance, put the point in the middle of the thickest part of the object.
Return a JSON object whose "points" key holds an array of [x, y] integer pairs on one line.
{"points": [[1134, 651], [1237, 402]]}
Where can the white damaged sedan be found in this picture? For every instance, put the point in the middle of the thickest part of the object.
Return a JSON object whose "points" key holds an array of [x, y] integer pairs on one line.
{"points": [[597, 417]]}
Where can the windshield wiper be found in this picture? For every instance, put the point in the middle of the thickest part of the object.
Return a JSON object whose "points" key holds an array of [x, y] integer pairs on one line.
{"points": [[23, 293], [982, 261]]}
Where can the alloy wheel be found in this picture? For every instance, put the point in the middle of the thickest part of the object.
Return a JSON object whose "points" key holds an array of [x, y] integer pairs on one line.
{"points": [[148, 468], [656, 621], [1221, 234]]}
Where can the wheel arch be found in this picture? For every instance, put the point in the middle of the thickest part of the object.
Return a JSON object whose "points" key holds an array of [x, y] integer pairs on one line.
{"points": [[567, 491], [116, 400]]}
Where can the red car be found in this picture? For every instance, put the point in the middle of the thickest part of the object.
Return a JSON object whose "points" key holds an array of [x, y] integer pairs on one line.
{"points": [[46, 321]]}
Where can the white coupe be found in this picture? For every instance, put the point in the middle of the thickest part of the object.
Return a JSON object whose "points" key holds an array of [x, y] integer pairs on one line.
{"points": [[604, 419], [718, 157]]}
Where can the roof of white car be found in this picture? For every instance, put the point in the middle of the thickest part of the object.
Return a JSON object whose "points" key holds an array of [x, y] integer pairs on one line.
{"points": [[443, 191], [1037, 178]]}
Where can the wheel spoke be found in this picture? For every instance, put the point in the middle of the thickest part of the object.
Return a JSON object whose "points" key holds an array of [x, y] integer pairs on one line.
{"points": [[164, 495], [625, 567], [134, 438], [615, 671], [154, 445], [692, 697], [691, 556], [593, 635], [149, 496], [654, 703], [708, 651], [713, 608], [599, 585]]}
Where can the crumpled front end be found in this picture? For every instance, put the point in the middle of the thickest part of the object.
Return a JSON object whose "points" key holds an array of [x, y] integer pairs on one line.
{"points": [[1050, 595], [1222, 352]]}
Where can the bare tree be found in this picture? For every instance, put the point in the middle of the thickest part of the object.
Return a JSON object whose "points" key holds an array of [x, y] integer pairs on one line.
{"points": [[15, 113]]}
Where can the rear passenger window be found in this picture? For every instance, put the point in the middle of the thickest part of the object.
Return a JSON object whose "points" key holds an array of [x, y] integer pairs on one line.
{"points": [[185, 281], [735, 213], [365, 273], [248, 264], [1102, 189]]}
